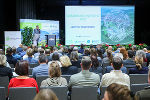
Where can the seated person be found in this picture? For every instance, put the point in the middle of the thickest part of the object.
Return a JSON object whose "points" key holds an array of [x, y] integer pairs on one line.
{"points": [[22, 80], [140, 68], [10, 58], [96, 68], [75, 59], [20, 48], [117, 92], [85, 77], [42, 69], [4, 71], [55, 57], [47, 53], [40, 51], [147, 56], [23, 53], [55, 50], [66, 68], [124, 52], [109, 68], [85, 53], [116, 75], [81, 50], [46, 94], [30, 58], [15, 55], [130, 59], [55, 76], [108, 58]]}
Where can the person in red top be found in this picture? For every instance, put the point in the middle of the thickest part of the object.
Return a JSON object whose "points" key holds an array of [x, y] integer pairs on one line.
{"points": [[22, 80]]}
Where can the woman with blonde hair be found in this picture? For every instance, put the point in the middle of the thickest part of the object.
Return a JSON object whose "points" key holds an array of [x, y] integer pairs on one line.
{"points": [[140, 68], [66, 68], [55, 76], [4, 71], [46, 94]]}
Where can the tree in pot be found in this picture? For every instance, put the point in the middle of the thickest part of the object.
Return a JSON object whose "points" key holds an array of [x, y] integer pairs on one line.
{"points": [[27, 36]]}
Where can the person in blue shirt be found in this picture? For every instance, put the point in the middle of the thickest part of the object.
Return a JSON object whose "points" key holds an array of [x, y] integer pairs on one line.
{"points": [[30, 59], [22, 53], [20, 48], [15, 55], [42, 69], [81, 50]]}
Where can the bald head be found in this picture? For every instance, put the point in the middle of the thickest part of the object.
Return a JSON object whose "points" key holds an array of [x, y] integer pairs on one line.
{"points": [[110, 48], [144, 49]]}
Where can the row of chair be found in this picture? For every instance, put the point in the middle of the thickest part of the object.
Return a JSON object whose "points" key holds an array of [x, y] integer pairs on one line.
{"points": [[134, 79], [77, 93]]}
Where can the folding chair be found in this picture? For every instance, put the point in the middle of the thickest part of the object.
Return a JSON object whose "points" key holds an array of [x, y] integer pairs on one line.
{"points": [[61, 92], [22, 93]]}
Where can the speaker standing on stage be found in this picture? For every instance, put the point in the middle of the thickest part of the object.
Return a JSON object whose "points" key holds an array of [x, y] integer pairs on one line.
{"points": [[36, 35]]}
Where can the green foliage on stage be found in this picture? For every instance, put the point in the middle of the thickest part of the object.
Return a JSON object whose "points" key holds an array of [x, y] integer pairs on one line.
{"points": [[27, 36]]}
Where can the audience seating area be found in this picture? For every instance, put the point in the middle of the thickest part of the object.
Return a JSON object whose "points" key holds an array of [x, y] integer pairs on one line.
{"points": [[138, 82]]}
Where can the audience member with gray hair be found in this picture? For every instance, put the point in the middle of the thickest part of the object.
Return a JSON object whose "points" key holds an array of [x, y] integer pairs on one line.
{"points": [[116, 75], [85, 77], [30, 58], [42, 69], [140, 53]]}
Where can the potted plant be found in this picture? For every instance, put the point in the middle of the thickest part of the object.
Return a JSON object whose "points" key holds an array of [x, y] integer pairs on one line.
{"points": [[27, 36]]}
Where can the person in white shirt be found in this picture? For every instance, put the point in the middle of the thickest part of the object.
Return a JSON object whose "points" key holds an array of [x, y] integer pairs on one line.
{"points": [[116, 75]]}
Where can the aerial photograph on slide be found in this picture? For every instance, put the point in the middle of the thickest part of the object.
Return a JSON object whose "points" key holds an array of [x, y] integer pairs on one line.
{"points": [[117, 25]]}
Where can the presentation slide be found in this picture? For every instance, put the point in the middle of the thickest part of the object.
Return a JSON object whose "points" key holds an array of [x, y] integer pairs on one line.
{"points": [[47, 27], [99, 24]]}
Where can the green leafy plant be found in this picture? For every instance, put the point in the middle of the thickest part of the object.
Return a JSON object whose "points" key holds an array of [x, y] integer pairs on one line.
{"points": [[27, 36]]}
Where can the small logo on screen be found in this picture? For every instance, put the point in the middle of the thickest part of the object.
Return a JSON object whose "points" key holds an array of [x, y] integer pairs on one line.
{"points": [[88, 41]]}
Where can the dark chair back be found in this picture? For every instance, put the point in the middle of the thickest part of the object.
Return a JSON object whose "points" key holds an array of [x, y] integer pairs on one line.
{"points": [[143, 94], [105, 64], [2, 93], [138, 78], [33, 65], [67, 77], [4, 82], [138, 87], [84, 93], [61, 92], [39, 79], [22, 93], [30, 71]]}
